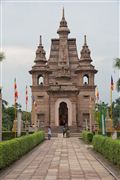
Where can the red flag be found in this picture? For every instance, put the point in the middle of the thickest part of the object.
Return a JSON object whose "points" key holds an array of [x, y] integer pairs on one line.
{"points": [[112, 84], [26, 95], [15, 91], [97, 93]]}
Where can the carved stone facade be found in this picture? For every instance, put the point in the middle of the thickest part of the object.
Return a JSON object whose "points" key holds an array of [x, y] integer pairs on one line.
{"points": [[63, 88]]}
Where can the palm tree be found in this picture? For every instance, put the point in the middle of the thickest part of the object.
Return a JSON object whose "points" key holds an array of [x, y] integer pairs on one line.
{"points": [[117, 65], [2, 56], [4, 104]]}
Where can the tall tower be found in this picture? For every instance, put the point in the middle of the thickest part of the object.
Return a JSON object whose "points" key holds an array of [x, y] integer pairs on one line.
{"points": [[40, 81], [63, 88], [86, 73]]}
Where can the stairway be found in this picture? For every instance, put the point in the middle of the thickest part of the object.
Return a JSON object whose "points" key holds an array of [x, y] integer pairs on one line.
{"points": [[58, 130]]}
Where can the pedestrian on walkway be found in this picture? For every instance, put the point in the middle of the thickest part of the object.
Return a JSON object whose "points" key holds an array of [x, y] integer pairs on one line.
{"points": [[64, 131], [67, 132], [49, 133]]}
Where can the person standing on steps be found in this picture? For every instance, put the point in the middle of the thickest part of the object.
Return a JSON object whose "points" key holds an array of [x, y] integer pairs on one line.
{"points": [[49, 133]]}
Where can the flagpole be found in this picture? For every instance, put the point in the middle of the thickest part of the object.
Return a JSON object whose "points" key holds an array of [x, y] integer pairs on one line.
{"points": [[15, 116], [26, 108], [26, 115], [111, 89], [111, 109], [15, 108]]}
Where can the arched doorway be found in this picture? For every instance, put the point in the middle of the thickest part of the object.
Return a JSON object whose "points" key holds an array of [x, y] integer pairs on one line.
{"points": [[63, 114], [70, 111]]}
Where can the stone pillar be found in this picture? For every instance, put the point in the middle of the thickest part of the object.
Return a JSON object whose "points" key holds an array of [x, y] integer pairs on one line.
{"points": [[0, 114], [19, 122], [74, 114]]}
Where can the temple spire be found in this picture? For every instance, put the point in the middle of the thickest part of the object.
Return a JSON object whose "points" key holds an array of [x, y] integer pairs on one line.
{"points": [[85, 40], [40, 53], [63, 14], [40, 40], [63, 28], [85, 52]]}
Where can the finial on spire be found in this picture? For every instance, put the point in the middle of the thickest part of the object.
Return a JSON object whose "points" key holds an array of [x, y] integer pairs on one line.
{"points": [[63, 28], [85, 40], [40, 40], [63, 14]]}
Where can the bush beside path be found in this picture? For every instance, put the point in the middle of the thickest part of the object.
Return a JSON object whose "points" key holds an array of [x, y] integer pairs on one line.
{"points": [[12, 150]]}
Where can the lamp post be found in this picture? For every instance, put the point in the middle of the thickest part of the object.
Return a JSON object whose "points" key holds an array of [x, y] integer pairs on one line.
{"points": [[103, 118], [0, 114], [97, 118]]}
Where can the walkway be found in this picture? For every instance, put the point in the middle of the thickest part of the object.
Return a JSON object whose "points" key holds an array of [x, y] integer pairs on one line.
{"points": [[59, 158]]}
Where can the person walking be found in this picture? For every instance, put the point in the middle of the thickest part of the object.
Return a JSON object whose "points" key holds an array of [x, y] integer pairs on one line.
{"points": [[49, 133], [64, 130], [67, 132]]}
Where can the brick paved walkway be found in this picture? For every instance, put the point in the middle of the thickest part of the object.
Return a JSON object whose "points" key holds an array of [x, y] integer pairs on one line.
{"points": [[59, 158]]}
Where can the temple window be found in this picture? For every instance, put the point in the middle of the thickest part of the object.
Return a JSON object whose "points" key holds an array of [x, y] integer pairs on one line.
{"points": [[40, 80], [85, 79]]}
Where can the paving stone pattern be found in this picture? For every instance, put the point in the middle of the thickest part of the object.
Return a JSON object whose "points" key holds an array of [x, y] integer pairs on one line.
{"points": [[58, 158]]}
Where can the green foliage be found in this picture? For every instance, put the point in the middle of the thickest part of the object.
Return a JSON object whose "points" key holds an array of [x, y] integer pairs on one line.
{"points": [[2, 56], [24, 116], [12, 150], [87, 136], [7, 135], [116, 113], [117, 65], [108, 147], [8, 115], [100, 109]]}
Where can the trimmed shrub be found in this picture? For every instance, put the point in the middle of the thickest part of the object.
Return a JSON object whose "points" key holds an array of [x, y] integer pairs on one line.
{"points": [[87, 136], [13, 149], [7, 135], [108, 147]]}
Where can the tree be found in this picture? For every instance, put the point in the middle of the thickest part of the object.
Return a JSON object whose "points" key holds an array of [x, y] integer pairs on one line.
{"points": [[4, 104], [2, 56], [28, 117], [117, 65], [116, 113]]}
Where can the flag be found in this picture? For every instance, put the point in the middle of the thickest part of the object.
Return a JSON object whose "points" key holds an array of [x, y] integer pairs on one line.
{"points": [[112, 84], [26, 95], [97, 94], [15, 91]]}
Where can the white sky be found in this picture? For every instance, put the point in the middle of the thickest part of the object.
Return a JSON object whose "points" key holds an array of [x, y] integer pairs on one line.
{"points": [[24, 21]]}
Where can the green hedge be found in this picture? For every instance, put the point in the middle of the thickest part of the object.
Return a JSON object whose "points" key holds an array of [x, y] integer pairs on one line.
{"points": [[87, 136], [13, 149], [108, 147], [7, 135]]}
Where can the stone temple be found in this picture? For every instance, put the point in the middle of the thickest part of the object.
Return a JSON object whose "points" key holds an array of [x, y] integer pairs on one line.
{"points": [[63, 89]]}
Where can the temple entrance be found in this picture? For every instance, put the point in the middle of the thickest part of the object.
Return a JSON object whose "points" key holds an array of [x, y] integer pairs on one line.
{"points": [[63, 114]]}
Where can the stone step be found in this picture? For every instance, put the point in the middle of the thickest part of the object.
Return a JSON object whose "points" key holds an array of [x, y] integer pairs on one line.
{"points": [[60, 135], [59, 129]]}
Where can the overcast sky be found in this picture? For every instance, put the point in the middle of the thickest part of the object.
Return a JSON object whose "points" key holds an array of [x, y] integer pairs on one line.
{"points": [[24, 21]]}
